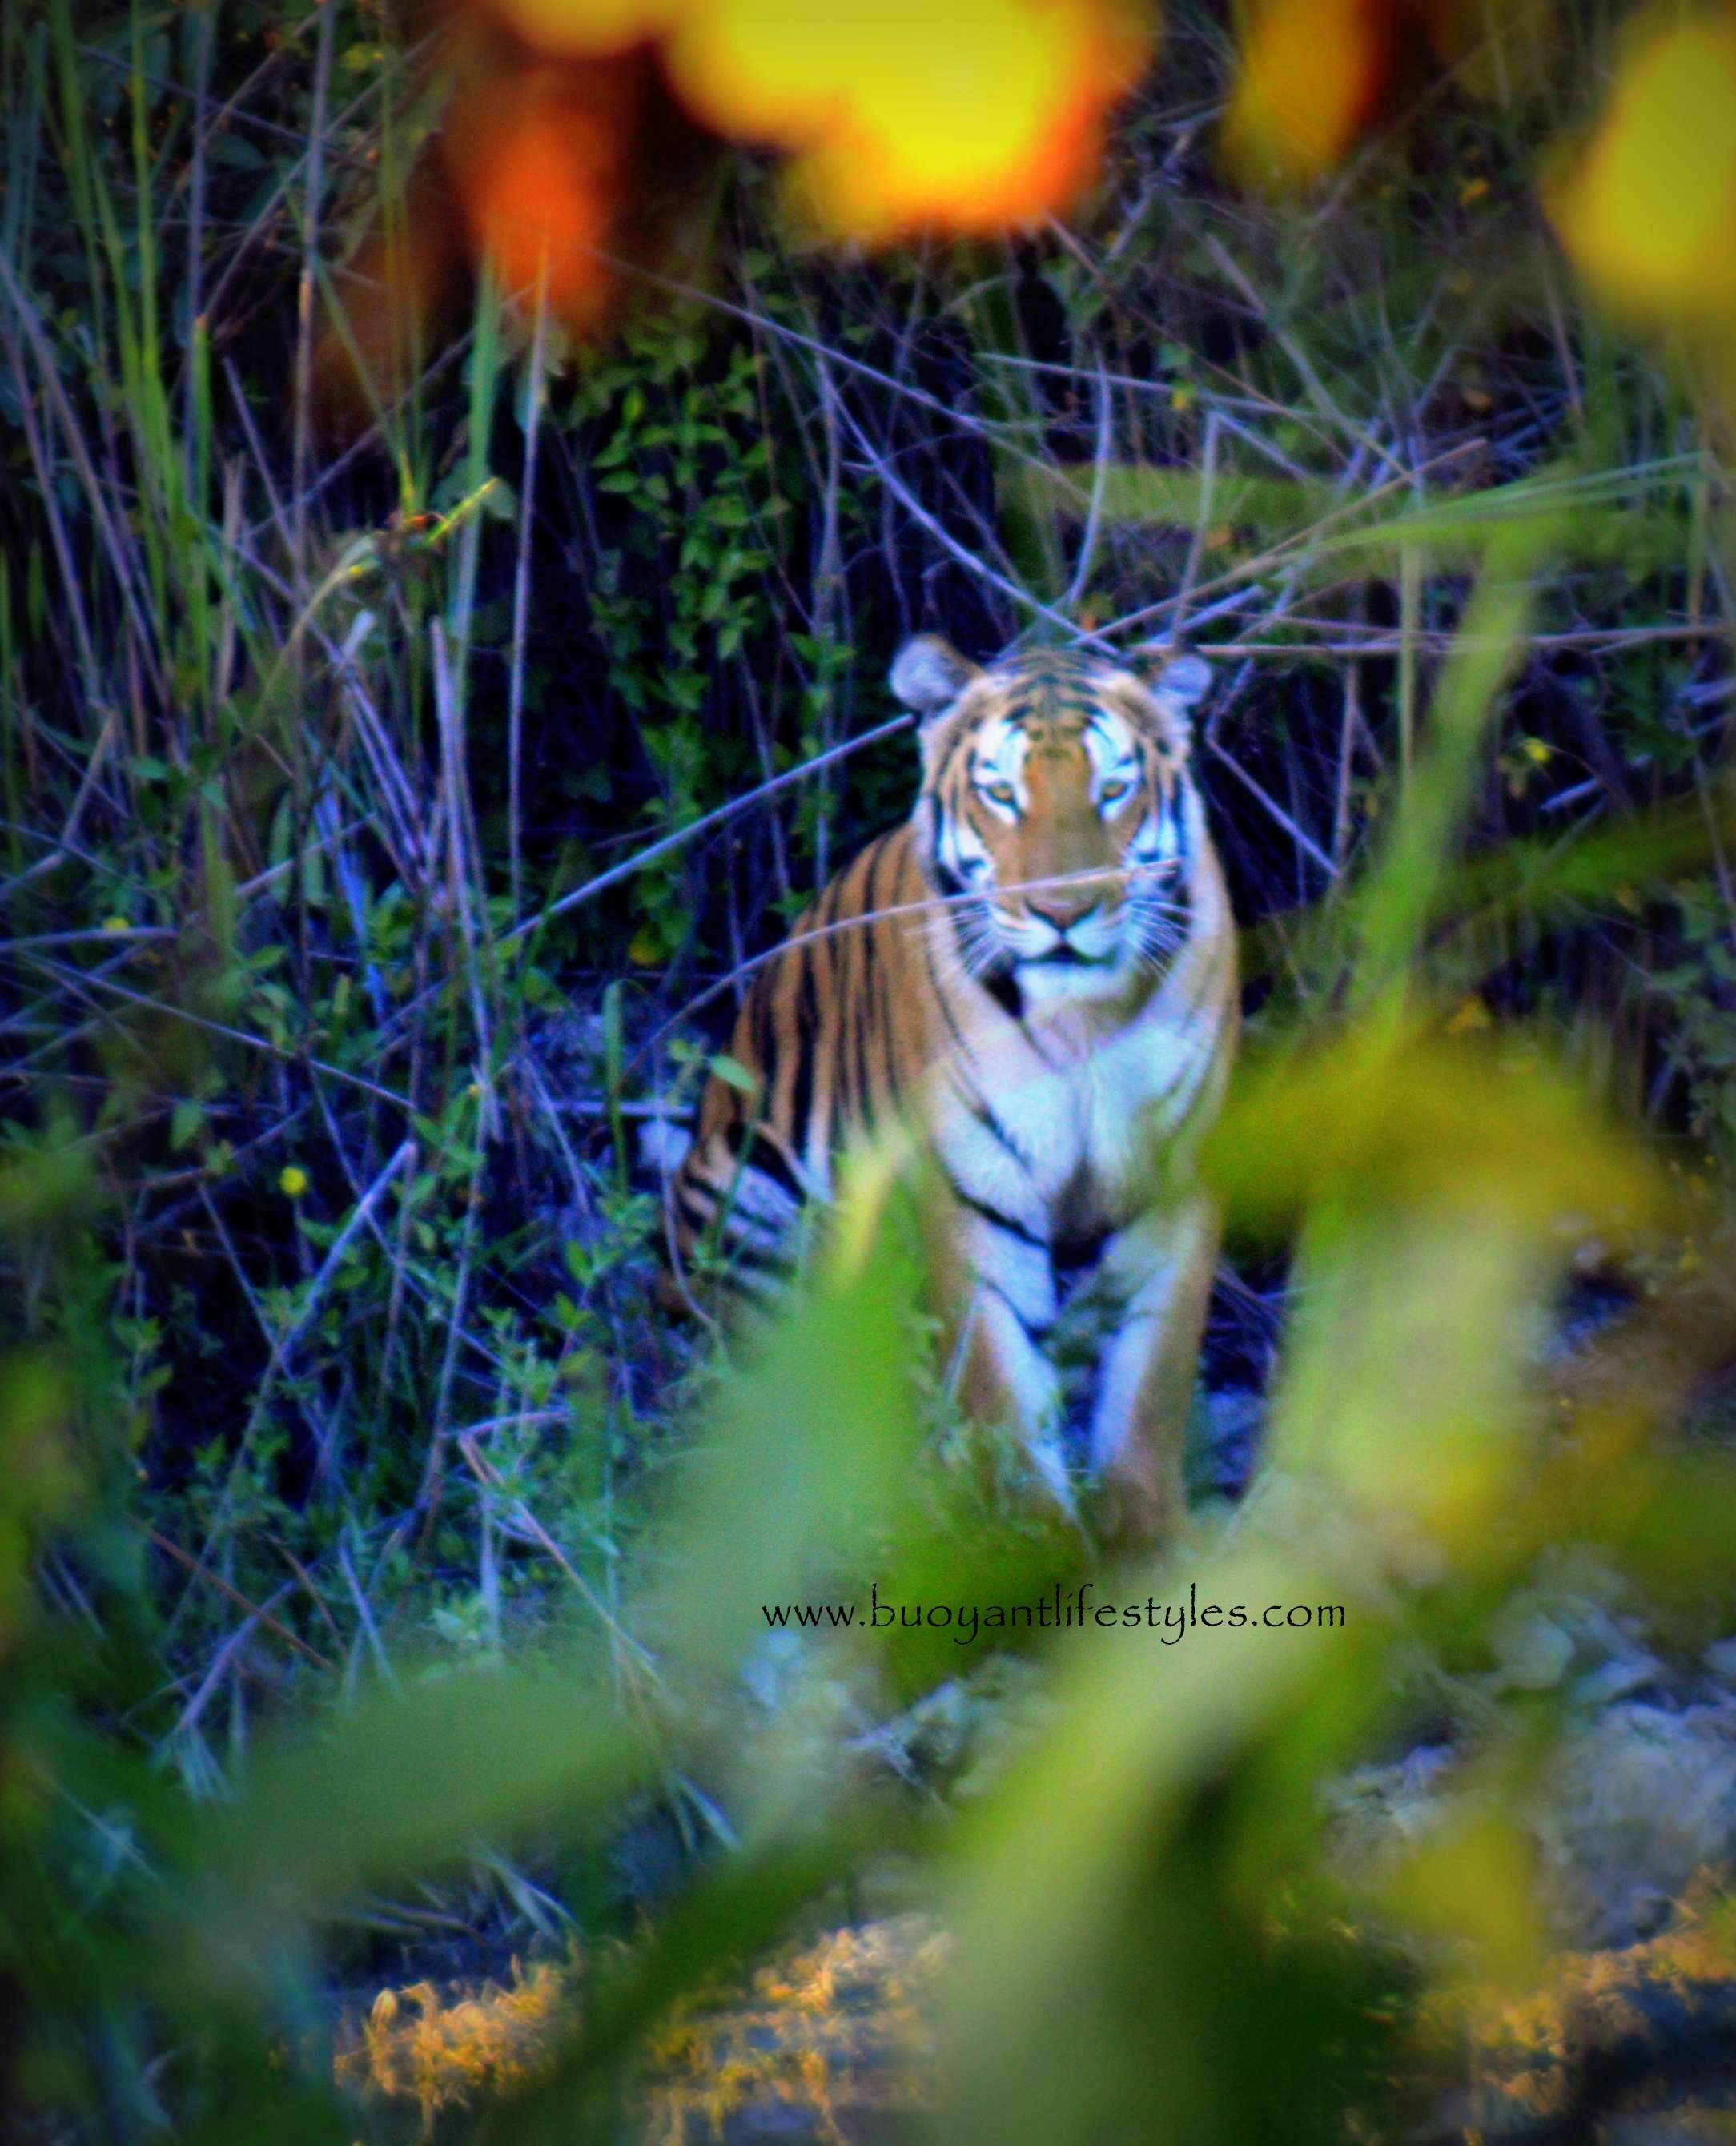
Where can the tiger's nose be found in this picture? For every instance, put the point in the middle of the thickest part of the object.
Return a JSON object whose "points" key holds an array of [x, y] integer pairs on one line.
{"points": [[1062, 911]]}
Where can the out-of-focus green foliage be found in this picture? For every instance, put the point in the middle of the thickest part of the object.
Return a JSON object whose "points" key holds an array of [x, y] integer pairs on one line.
{"points": [[380, 1580]]}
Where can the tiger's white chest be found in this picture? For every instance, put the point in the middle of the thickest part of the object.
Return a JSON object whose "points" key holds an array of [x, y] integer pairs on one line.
{"points": [[1056, 1134]]}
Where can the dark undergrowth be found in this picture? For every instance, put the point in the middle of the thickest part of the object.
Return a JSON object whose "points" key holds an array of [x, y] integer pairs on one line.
{"points": [[387, 814]]}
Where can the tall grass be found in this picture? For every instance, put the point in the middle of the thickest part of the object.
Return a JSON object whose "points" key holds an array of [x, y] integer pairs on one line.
{"points": [[387, 823]]}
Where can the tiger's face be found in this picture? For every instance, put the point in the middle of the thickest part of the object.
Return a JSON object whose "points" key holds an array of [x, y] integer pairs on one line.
{"points": [[1059, 814]]}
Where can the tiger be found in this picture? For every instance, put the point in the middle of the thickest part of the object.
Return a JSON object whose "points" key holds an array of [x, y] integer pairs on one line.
{"points": [[1036, 971]]}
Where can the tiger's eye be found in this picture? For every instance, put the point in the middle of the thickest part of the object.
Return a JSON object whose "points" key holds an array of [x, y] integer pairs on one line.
{"points": [[1002, 793], [1111, 790]]}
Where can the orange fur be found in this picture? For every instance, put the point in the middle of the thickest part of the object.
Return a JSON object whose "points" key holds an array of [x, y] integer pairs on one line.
{"points": [[1037, 972]]}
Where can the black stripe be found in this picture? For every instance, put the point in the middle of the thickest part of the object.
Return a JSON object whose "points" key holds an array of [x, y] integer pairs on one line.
{"points": [[864, 992], [946, 880], [765, 1155], [887, 1016], [696, 1211], [945, 769], [1074, 1254], [807, 1045], [945, 1003], [993, 1215], [992, 1125], [974, 1101], [844, 1078], [836, 956], [760, 1025], [873, 857], [753, 1289], [758, 1260], [1034, 1333]]}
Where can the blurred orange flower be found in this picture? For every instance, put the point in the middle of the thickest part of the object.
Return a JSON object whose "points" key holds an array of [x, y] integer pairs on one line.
{"points": [[557, 171], [578, 133], [540, 159], [1312, 76], [968, 117]]}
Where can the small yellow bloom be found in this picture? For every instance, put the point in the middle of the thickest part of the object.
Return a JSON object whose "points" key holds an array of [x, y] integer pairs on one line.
{"points": [[1538, 750], [1181, 398], [1472, 190], [292, 1179], [117, 924]]}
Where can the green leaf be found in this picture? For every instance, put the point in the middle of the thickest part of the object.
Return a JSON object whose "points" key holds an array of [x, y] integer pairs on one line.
{"points": [[405, 1783]]}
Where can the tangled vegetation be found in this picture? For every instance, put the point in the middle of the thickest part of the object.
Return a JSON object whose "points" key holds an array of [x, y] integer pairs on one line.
{"points": [[394, 798]]}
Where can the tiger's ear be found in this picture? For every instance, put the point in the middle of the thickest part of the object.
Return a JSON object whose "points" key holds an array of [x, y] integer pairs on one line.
{"points": [[929, 674], [1177, 681]]}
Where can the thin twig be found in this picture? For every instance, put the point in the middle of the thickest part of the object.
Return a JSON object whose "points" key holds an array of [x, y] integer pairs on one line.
{"points": [[211, 1579]]}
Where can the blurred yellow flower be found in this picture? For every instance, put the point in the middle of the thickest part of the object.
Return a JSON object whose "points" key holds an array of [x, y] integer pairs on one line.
{"points": [[1649, 211], [116, 924], [577, 128], [292, 1179], [972, 117]]}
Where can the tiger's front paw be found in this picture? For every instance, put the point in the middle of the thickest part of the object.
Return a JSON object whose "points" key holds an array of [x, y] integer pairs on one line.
{"points": [[1132, 1511], [1020, 1476]]}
